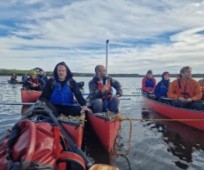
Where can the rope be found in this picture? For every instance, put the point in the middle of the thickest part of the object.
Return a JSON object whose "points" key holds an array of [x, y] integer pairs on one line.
{"points": [[129, 166], [120, 119], [129, 138], [162, 120]]}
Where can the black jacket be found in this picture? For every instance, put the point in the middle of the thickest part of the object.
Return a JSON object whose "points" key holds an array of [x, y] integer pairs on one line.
{"points": [[50, 85], [28, 84], [95, 93]]}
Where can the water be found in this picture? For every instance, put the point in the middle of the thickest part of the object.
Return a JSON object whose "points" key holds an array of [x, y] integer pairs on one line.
{"points": [[154, 146]]}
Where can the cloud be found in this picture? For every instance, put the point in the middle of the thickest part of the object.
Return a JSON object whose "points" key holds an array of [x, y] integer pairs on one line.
{"points": [[161, 35]]}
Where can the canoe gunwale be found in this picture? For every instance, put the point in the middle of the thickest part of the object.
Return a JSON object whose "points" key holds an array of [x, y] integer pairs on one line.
{"points": [[103, 116], [72, 122]]}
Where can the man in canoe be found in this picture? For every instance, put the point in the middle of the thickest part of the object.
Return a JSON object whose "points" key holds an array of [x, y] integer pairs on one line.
{"points": [[101, 96], [24, 78], [148, 83], [33, 82], [185, 92], [163, 86], [13, 78], [60, 91], [42, 75]]}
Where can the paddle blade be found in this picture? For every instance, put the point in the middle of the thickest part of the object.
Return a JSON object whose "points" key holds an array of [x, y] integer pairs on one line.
{"points": [[103, 167]]}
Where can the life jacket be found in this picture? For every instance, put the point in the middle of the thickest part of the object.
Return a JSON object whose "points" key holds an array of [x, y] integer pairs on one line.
{"points": [[163, 89], [185, 88], [202, 87], [36, 146], [62, 95], [149, 83], [35, 81], [101, 84]]}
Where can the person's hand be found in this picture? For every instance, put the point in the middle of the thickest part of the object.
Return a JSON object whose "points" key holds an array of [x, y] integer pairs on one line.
{"points": [[85, 109], [150, 91], [182, 99], [34, 85], [189, 100]]}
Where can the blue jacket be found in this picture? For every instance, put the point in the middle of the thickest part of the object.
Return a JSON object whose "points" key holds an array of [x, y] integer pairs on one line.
{"points": [[162, 88]]}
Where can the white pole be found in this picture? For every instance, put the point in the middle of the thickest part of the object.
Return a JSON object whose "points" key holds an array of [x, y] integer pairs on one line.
{"points": [[107, 41]]}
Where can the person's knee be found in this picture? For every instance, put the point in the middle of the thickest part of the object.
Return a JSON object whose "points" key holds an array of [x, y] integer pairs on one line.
{"points": [[97, 102], [115, 99], [114, 104], [97, 105], [197, 105]]}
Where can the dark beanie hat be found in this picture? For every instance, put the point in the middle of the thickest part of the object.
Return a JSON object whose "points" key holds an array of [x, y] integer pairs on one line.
{"points": [[165, 73], [149, 72]]}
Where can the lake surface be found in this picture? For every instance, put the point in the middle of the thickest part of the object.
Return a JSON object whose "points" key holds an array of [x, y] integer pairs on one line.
{"points": [[155, 146]]}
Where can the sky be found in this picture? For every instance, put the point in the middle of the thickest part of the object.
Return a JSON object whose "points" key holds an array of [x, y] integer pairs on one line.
{"points": [[162, 35]]}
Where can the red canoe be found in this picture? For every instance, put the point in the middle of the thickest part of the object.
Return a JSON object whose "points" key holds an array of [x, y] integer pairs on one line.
{"points": [[73, 125], [38, 142], [75, 129], [30, 95], [106, 128], [189, 117]]}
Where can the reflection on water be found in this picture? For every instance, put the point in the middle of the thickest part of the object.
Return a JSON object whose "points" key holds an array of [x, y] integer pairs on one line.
{"points": [[154, 145], [182, 141]]}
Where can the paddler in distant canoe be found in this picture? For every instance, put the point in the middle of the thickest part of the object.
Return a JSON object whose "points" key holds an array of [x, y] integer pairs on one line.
{"points": [[59, 93], [42, 75], [148, 83], [185, 91], [24, 78], [101, 96], [33, 83], [163, 86], [13, 79]]}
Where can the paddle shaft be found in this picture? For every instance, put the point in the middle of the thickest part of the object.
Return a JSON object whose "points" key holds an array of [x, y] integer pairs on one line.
{"points": [[4, 103]]}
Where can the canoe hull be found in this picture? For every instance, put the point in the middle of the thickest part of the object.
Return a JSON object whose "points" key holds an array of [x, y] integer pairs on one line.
{"points": [[76, 131], [105, 130], [15, 82], [30, 95], [177, 113]]}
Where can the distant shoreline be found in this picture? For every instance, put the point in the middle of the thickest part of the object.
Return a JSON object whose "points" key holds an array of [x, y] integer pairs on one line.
{"points": [[9, 72]]}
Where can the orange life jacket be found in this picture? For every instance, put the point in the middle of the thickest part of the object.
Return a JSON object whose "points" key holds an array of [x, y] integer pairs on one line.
{"points": [[107, 84], [202, 87], [185, 88]]}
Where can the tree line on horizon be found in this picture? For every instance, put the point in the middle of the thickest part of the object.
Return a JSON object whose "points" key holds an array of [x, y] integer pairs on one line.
{"points": [[8, 72]]}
